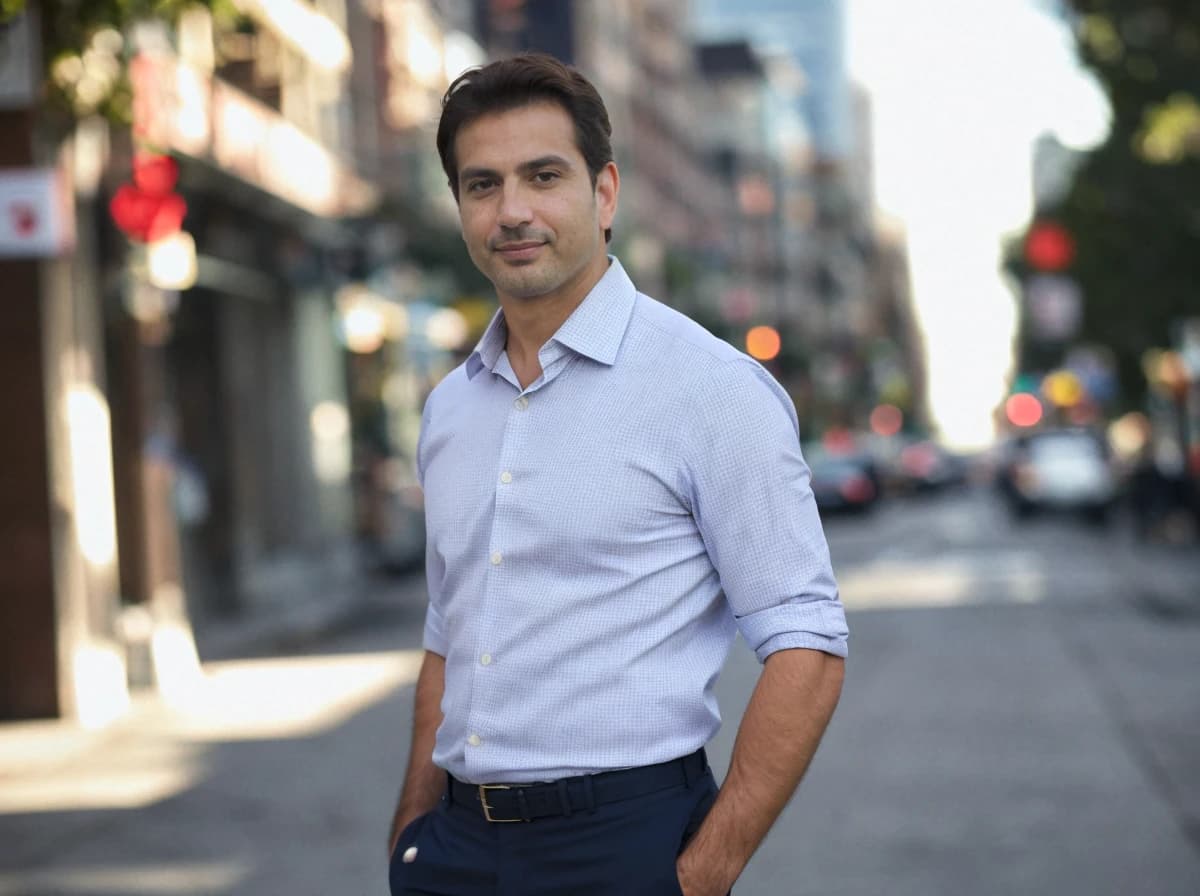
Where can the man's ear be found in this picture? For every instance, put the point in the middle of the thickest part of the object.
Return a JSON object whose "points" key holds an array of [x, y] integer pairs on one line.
{"points": [[608, 186]]}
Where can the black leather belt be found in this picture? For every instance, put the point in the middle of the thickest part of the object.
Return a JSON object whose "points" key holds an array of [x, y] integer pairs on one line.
{"points": [[526, 802]]}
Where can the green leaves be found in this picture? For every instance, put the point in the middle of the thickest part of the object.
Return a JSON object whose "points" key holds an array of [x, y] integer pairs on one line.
{"points": [[84, 49], [1134, 207]]}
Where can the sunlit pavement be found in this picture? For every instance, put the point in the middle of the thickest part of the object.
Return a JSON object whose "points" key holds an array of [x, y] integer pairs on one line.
{"points": [[1021, 716], [264, 765]]}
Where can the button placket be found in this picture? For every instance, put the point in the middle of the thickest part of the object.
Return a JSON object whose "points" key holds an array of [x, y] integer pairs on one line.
{"points": [[515, 435]]}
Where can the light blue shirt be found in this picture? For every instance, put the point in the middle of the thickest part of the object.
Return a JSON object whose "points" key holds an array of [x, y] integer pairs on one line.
{"points": [[596, 540]]}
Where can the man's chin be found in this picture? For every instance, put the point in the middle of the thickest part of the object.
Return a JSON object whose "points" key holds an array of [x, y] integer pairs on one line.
{"points": [[511, 283]]}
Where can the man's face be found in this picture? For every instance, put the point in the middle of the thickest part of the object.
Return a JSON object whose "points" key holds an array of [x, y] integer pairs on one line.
{"points": [[532, 221]]}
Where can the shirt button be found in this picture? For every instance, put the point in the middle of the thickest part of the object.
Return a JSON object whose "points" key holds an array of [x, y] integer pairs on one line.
{"points": [[496, 558], [506, 477], [486, 659], [410, 855], [521, 403], [474, 740]]}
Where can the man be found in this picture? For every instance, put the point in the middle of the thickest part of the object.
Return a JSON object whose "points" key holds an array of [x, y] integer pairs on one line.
{"points": [[611, 494]]}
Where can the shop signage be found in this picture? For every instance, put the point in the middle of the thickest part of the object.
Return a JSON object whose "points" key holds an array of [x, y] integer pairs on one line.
{"points": [[35, 213]]}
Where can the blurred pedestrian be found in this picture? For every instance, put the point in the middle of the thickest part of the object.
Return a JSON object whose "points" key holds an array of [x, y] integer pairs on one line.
{"points": [[611, 495]]}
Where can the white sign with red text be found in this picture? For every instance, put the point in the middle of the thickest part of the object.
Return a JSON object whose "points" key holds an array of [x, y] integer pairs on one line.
{"points": [[36, 219]]}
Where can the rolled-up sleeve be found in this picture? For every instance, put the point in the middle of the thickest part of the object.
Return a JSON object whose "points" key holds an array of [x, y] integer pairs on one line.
{"points": [[752, 500], [434, 638]]}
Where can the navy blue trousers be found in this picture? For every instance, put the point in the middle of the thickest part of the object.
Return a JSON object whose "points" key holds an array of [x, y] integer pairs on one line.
{"points": [[626, 848]]}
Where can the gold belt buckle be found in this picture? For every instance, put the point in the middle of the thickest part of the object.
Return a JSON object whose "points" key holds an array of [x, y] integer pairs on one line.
{"points": [[487, 810]]}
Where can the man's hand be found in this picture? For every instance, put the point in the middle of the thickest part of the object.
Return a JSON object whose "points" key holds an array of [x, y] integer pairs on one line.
{"points": [[780, 730], [400, 822], [424, 782]]}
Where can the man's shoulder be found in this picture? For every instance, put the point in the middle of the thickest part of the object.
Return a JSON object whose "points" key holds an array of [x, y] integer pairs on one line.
{"points": [[689, 342], [708, 369], [448, 387]]}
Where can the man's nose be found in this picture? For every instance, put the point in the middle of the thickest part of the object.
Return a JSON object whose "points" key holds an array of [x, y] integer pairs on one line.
{"points": [[515, 210]]}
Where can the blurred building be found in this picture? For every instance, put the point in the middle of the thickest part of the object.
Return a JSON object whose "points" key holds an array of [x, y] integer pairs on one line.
{"points": [[844, 302], [896, 356], [221, 416], [235, 380], [737, 116], [813, 33]]}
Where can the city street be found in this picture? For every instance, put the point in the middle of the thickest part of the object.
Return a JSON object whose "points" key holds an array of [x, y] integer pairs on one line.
{"points": [[1021, 716]]}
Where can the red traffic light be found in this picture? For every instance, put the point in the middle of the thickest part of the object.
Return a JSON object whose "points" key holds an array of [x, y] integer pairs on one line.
{"points": [[1049, 247]]}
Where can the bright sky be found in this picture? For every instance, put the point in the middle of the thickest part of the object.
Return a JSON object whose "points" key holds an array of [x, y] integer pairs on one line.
{"points": [[960, 90]]}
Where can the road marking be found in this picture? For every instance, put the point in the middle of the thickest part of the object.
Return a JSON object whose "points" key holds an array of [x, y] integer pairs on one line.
{"points": [[962, 578]]}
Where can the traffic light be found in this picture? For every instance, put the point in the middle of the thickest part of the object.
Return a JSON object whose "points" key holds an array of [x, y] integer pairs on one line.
{"points": [[1049, 247]]}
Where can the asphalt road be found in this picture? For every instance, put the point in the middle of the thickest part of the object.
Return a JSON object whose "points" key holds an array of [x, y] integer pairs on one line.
{"points": [[1021, 716]]}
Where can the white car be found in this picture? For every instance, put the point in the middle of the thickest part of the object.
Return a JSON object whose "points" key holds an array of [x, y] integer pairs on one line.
{"points": [[1060, 469]]}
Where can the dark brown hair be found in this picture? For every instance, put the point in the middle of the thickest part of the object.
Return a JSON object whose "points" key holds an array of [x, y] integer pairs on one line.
{"points": [[520, 81]]}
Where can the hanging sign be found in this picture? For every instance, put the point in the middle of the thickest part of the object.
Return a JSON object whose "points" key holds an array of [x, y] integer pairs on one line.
{"points": [[36, 218]]}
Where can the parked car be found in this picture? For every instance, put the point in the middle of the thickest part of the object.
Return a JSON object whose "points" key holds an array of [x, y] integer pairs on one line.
{"points": [[927, 466], [1066, 470], [843, 482]]}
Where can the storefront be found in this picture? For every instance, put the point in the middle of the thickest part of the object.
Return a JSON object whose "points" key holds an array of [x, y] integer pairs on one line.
{"points": [[234, 487]]}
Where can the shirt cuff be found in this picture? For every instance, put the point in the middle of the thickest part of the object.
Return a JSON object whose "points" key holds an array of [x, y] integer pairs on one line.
{"points": [[434, 639], [815, 626]]}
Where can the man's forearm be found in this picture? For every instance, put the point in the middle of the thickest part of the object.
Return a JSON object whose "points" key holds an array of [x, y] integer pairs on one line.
{"points": [[424, 782], [782, 726]]}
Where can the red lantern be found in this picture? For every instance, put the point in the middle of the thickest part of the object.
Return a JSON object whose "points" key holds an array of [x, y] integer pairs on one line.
{"points": [[145, 217], [155, 174], [147, 210]]}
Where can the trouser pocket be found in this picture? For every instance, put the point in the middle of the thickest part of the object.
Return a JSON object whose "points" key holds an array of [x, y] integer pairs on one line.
{"points": [[440, 861], [707, 788]]}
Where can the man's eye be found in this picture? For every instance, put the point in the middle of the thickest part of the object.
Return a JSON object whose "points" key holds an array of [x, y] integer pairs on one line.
{"points": [[546, 177], [478, 186]]}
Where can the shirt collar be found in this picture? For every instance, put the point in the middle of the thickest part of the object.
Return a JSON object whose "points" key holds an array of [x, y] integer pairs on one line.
{"points": [[594, 329]]}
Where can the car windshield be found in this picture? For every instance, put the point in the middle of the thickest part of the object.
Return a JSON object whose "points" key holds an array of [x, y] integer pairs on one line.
{"points": [[1065, 448]]}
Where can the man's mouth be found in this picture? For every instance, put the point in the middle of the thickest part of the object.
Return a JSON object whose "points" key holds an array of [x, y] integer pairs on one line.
{"points": [[518, 251]]}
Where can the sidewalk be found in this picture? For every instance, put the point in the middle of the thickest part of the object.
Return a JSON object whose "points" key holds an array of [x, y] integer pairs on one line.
{"points": [[283, 628], [61, 783]]}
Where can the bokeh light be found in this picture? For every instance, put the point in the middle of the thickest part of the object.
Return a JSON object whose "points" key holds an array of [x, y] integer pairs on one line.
{"points": [[763, 343], [1023, 409], [886, 420]]}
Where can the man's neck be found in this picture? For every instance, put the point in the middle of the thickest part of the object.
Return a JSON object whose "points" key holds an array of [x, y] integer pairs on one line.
{"points": [[531, 323]]}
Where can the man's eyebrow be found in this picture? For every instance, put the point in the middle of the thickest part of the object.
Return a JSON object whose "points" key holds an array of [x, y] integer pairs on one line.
{"points": [[525, 168], [548, 161], [471, 173]]}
